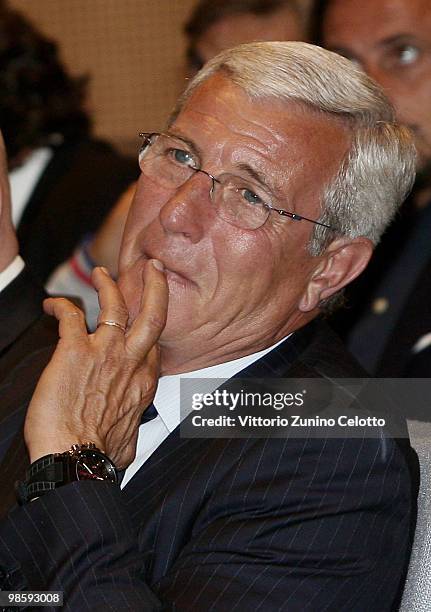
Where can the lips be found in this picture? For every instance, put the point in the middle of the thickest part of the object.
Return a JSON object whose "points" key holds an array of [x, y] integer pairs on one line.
{"points": [[171, 275], [172, 272]]}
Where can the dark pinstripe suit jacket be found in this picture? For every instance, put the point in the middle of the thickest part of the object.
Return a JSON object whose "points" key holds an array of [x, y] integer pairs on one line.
{"points": [[230, 524]]}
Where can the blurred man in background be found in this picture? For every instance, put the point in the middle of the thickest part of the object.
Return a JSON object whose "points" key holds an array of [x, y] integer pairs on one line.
{"points": [[389, 309], [216, 25]]}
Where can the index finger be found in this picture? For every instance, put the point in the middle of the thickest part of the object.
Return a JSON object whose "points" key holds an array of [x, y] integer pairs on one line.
{"points": [[151, 320], [112, 306]]}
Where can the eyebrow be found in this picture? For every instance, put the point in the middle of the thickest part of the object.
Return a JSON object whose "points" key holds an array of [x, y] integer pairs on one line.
{"points": [[386, 42], [242, 166], [397, 38], [191, 145], [256, 175]]}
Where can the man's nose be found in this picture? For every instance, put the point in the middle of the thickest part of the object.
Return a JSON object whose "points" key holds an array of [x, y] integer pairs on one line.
{"points": [[189, 210]]}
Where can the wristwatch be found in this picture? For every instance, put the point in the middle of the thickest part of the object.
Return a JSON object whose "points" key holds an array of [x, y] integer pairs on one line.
{"points": [[81, 462]]}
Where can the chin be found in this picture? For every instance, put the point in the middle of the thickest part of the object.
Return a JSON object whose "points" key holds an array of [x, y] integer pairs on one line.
{"points": [[179, 324]]}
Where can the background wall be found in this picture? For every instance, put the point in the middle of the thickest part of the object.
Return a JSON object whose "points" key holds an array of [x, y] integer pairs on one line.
{"points": [[132, 50]]}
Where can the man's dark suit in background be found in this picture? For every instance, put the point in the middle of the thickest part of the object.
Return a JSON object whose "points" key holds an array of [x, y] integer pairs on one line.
{"points": [[209, 524], [78, 188], [27, 338], [386, 312], [388, 308]]}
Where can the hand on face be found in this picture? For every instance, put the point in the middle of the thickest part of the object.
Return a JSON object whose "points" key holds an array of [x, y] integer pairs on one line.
{"points": [[96, 386], [232, 290]]}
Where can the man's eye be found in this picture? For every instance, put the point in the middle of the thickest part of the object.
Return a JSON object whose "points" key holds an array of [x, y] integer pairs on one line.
{"points": [[407, 54], [183, 157], [251, 197]]}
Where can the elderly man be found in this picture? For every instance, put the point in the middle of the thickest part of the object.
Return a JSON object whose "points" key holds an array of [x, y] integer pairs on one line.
{"points": [[260, 201], [389, 307], [212, 27]]}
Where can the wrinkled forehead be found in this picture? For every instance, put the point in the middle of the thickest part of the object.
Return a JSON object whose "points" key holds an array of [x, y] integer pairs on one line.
{"points": [[219, 98], [297, 149]]}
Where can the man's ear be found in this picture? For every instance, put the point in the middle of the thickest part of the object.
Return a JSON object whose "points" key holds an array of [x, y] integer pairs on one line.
{"points": [[341, 263]]}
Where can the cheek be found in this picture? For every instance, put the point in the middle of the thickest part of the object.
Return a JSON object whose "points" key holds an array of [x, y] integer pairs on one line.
{"points": [[421, 101], [411, 106], [145, 208], [242, 251], [246, 264], [410, 89], [149, 199]]}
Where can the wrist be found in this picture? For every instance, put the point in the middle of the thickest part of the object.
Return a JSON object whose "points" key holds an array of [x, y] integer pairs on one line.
{"points": [[59, 444]]}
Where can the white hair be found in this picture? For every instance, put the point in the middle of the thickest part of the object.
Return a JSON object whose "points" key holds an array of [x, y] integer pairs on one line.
{"points": [[379, 170]]}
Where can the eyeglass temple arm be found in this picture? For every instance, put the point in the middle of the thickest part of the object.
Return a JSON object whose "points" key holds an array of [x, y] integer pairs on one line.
{"points": [[297, 217]]}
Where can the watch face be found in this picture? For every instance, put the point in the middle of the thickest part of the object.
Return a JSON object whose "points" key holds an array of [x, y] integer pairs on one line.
{"points": [[93, 465]]}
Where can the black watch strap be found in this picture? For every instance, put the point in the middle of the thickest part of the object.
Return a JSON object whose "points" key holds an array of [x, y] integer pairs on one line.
{"points": [[53, 471], [43, 475]]}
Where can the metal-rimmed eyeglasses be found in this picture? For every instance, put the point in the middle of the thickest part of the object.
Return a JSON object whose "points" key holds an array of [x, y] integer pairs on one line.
{"points": [[241, 202]]}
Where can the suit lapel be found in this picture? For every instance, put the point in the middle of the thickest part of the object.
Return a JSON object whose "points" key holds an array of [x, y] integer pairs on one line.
{"points": [[62, 157], [13, 468], [275, 364], [20, 306], [27, 337], [15, 395]]}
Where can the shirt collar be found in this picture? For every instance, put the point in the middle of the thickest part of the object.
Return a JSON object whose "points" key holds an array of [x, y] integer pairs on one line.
{"points": [[11, 272], [167, 398]]}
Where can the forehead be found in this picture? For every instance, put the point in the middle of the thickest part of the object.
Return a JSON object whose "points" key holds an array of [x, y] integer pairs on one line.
{"points": [[284, 140], [349, 22]]}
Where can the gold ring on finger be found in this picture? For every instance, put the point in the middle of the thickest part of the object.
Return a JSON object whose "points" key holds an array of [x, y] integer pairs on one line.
{"points": [[112, 324]]}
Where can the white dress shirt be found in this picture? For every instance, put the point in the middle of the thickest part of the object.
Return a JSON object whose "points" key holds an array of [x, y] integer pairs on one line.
{"points": [[421, 344], [167, 402], [11, 272], [24, 179]]}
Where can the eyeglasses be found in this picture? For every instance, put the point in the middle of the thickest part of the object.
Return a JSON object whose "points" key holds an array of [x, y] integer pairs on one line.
{"points": [[169, 161]]}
